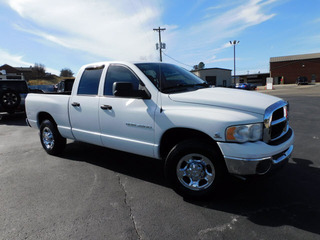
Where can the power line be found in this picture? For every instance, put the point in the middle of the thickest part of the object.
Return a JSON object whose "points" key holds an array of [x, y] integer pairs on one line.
{"points": [[162, 46], [176, 60]]}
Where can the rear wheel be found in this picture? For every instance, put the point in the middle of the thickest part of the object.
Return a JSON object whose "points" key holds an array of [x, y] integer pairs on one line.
{"points": [[10, 100], [194, 168], [51, 140]]}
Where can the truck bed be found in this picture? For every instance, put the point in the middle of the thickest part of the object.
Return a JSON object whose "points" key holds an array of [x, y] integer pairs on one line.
{"points": [[54, 103]]}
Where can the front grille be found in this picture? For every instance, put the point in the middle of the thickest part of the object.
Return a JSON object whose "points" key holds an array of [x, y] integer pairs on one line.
{"points": [[276, 122], [277, 114], [278, 129], [283, 139]]}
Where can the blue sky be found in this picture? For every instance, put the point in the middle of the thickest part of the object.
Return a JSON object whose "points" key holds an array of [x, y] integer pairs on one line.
{"points": [[71, 33]]}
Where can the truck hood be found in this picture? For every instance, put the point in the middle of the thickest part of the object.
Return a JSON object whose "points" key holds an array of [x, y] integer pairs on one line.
{"points": [[227, 98]]}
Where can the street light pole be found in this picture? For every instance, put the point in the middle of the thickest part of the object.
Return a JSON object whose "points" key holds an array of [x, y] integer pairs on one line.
{"points": [[234, 43]]}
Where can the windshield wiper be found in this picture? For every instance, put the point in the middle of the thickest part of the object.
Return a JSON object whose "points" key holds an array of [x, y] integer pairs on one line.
{"points": [[204, 84], [181, 86]]}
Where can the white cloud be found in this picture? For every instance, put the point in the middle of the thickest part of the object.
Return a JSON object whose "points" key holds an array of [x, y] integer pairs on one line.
{"points": [[220, 26], [232, 22], [42, 34], [13, 60], [215, 60], [226, 45], [109, 29], [17, 61], [123, 29]]}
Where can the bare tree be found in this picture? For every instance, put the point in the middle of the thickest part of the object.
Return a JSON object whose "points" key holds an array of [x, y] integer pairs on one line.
{"points": [[66, 72], [201, 65], [39, 70]]}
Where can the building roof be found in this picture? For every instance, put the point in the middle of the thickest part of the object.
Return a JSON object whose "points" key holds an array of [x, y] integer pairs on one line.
{"points": [[204, 69], [295, 57], [9, 69], [24, 69], [252, 74]]}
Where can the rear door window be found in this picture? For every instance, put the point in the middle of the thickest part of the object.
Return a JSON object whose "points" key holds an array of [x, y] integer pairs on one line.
{"points": [[89, 82]]}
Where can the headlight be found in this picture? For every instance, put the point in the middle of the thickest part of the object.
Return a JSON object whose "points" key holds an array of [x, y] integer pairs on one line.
{"points": [[244, 133]]}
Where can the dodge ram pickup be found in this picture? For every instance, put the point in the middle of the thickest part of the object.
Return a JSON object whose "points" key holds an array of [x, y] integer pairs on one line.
{"points": [[162, 111]]}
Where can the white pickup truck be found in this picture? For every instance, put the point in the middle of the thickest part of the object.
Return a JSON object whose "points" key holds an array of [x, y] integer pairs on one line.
{"points": [[162, 111]]}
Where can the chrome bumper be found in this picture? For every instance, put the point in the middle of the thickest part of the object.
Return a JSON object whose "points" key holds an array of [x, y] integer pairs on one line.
{"points": [[259, 166]]}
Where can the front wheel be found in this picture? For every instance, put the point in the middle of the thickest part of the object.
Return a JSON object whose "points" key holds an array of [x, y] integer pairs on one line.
{"points": [[194, 168], [51, 140]]}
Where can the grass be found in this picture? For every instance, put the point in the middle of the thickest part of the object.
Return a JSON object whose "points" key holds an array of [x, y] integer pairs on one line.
{"points": [[52, 81], [41, 82]]}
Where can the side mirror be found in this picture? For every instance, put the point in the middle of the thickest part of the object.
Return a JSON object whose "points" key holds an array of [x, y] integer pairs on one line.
{"points": [[125, 89]]}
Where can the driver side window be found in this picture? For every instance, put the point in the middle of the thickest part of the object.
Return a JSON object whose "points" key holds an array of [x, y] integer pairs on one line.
{"points": [[117, 73]]}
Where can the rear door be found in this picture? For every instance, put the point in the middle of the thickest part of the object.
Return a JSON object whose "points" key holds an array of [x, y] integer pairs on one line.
{"points": [[83, 107]]}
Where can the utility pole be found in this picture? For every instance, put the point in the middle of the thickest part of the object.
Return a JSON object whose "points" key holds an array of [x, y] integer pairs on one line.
{"points": [[161, 45], [234, 43]]}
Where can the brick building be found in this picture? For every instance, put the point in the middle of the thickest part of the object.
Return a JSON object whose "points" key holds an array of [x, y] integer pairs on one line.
{"points": [[8, 72], [24, 73], [291, 67]]}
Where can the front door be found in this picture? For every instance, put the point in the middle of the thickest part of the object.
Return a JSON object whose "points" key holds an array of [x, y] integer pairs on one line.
{"points": [[126, 123]]}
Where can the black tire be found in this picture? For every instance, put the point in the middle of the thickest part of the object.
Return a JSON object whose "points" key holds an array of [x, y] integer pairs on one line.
{"points": [[50, 138], [198, 162], [10, 100]]}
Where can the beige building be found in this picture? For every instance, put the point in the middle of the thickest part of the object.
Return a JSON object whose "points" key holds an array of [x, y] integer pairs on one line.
{"points": [[218, 77]]}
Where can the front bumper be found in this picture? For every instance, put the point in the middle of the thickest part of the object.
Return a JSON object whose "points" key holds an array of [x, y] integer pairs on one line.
{"points": [[255, 158], [259, 166]]}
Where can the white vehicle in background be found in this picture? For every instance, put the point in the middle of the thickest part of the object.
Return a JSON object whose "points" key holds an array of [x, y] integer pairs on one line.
{"points": [[162, 111]]}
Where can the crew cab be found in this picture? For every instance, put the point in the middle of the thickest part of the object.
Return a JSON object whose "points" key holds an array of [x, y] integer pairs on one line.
{"points": [[162, 111]]}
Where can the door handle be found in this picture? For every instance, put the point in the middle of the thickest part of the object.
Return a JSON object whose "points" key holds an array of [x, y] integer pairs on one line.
{"points": [[106, 107], [75, 104]]}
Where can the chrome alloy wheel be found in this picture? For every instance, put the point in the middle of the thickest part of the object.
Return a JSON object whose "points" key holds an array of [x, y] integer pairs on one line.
{"points": [[195, 172], [47, 138]]}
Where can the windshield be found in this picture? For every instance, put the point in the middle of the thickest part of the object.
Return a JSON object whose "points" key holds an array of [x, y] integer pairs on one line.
{"points": [[169, 78]]}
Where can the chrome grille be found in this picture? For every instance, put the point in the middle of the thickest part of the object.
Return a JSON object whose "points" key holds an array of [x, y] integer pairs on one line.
{"points": [[275, 121]]}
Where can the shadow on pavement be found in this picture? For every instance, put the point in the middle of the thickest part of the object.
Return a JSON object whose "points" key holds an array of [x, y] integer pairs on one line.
{"points": [[15, 119], [143, 168], [289, 197]]}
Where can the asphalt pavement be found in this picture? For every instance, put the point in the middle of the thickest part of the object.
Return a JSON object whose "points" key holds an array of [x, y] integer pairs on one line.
{"points": [[96, 193]]}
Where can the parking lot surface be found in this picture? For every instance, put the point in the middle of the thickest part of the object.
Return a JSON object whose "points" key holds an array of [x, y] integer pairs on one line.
{"points": [[96, 193]]}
